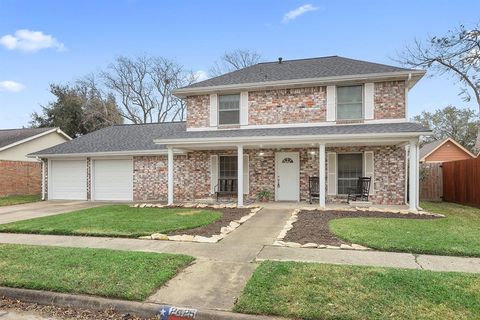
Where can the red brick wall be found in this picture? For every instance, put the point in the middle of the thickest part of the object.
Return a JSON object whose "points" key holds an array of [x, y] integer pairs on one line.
{"points": [[198, 111], [389, 100], [20, 177]]}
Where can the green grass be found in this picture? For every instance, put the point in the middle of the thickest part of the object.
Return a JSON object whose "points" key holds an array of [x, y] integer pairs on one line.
{"points": [[116, 221], [457, 234], [11, 200], [100, 272], [321, 291]]}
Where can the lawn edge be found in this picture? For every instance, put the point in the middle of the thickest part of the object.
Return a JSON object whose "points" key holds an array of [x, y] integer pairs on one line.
{"points": [[142, 309]]}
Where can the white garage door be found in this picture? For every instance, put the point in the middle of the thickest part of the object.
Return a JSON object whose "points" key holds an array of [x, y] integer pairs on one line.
{"points": [[67, 180], [113, 180]]}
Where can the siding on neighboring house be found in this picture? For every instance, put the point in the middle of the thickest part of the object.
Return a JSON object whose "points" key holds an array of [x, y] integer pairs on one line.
{"points": [[447, 152], [19, 152]]}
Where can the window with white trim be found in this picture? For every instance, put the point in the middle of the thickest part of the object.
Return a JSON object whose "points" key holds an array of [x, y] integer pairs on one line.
{"points": [[228, 169], [229, 109], [350, 168], [350, 103]]}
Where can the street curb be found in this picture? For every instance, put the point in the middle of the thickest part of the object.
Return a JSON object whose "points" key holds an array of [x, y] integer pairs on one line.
{"points": [[142, 309]]}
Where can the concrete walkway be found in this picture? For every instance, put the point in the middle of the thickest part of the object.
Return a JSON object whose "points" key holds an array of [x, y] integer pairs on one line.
{"points": [[41, 209], [372, 258]]}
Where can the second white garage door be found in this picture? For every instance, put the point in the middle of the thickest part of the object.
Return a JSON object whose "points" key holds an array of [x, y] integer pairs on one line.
{"points": [[112, 180]]}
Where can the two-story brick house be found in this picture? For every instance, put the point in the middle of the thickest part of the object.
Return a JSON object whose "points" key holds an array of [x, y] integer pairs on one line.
{"points": [[268, 127]]}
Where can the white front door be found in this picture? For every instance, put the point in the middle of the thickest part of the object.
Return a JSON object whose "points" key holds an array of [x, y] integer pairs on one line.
{"points": [[287, 182]]}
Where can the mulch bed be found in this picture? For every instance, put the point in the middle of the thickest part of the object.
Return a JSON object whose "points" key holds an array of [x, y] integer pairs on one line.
{"points": [[228, 215], [64, 313], [312, 226]]}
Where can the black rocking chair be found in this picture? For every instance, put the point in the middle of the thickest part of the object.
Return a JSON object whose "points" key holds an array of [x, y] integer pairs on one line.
{"points": [[313, 188], [226, 187], [361, 192]]}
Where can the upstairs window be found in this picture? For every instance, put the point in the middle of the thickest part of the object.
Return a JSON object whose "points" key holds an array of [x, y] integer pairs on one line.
{"points": [[229, 109], [350, 103]]}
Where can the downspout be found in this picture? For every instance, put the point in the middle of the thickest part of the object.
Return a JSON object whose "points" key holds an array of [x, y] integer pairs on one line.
{"points": [[43, 178]]}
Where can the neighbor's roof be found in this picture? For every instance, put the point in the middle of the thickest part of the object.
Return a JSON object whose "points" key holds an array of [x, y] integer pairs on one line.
{"points": [[132, 139], [314, 68], [12, 137], [429, 148]]}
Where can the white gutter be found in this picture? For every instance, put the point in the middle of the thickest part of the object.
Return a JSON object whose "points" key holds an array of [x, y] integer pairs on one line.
{"points": [[183, 92], [107, 154], [300, 138]]}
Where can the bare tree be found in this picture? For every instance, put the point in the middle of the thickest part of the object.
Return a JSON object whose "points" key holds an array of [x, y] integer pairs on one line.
{"points": [[457, 53], [144, 86], [234, 60]]}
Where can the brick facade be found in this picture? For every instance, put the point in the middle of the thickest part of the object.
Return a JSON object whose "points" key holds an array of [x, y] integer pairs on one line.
{"points": [[389, 100], [299, 105], [198, 111], [20, 178], [282, 106], [192, 173]]}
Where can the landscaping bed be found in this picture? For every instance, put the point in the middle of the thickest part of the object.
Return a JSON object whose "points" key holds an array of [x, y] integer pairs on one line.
{"points": [[100, 272], [313, 226], [321, 291]]}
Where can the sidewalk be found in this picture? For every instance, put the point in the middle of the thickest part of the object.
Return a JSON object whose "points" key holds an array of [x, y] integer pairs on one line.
{"points": [[371, 258]]}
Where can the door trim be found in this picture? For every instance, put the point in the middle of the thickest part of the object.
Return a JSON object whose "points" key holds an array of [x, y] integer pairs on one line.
{"points": [[276, 173]]}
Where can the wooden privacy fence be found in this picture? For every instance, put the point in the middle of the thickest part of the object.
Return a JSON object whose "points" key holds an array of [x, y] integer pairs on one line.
{"points": [[461, 181], [431, 184]]}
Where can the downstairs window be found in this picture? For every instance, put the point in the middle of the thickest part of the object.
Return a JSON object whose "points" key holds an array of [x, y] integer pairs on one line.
{"points": [[350, 168]]}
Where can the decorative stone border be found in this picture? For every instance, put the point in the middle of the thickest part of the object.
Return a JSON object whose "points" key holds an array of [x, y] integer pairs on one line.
{"points": [[224, 231], [294, 217]]}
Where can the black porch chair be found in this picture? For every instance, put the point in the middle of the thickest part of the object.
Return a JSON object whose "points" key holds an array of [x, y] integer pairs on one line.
{"points": [[226, 187], [362, 191], [313, 188]]}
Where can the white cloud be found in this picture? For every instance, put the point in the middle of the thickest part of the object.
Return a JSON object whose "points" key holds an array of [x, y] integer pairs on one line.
{"points": [[201, 75], [30, 41], [11, 86], [297, 12]]}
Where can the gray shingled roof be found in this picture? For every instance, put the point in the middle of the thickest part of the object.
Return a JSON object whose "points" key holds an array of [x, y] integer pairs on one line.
{"points": [[127, 137], [429, 147], [140, 137], [322, 67], [10, 136]]}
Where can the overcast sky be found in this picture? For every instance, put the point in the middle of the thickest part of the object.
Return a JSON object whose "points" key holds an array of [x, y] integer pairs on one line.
{"points": [[48, 41]]}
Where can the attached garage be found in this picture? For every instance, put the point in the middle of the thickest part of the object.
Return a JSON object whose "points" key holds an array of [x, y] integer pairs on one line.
{"points": [[112, 179], [67, 180]]}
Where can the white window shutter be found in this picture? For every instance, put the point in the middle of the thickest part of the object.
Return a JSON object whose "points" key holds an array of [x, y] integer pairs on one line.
{"points": [[246, 175], [213, 173], [332, 173], [244, 108], [331, 103], [369, 101], [213, 110], [369, 168]]}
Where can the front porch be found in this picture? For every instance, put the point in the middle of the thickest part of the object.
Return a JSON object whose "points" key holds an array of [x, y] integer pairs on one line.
{"points": [[193, 175]]}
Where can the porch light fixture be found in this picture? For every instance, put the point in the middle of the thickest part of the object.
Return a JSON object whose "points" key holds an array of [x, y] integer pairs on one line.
{"points": [[261, 154], [312, 152]]}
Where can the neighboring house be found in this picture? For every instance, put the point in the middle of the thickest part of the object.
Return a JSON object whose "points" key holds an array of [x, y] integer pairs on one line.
{"points": [[270, 127], [444, 150], [20, 174]]}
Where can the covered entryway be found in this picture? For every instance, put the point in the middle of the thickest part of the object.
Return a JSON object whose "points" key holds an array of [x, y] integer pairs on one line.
{"points": [[67, 180], [112, 179], [287, 184]]}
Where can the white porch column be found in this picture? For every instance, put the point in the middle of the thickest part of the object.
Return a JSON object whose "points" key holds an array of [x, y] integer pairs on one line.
{"points": [[240, 175], [413, 175], [321, 175], [170, 176]]}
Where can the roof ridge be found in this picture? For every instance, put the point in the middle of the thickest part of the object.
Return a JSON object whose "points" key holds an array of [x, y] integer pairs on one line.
{"points": [[149, 123], [300, 59]]}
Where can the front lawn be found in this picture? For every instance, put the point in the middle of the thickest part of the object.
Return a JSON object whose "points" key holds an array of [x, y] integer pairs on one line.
{"points": [[116, 221], [108, 273], [456, 234], [19, 199], [322, 291]]}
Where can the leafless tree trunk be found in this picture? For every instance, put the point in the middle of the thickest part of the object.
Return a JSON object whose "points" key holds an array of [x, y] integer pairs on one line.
{"points": [[456, 53]]}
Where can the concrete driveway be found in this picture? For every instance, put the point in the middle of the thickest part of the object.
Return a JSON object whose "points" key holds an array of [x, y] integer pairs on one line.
{"points": [[41, 209]]}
